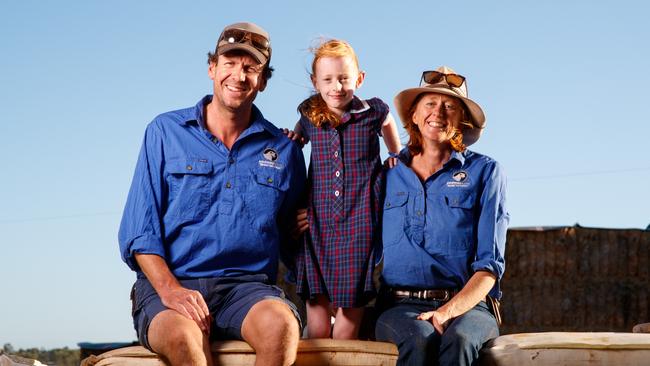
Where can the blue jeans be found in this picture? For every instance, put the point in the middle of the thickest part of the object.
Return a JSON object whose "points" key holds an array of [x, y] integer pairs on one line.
{"points": [[420, 344]]}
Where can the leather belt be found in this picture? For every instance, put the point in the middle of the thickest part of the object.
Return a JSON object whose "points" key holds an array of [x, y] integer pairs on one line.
{"points": [[433, 294]]}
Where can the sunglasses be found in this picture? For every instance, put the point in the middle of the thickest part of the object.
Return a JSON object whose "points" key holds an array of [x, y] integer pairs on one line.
{"points": [[433, 77], [241, 36]]}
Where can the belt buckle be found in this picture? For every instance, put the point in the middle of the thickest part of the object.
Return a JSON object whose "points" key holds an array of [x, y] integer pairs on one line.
{"points": [[432, 296]]}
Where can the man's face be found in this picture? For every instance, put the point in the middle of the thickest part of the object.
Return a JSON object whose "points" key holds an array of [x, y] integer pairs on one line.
{"points": [[237, 77]]}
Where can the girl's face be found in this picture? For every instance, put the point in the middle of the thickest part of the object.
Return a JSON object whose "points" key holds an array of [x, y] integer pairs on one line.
{"points": [[436, 115], [336, 79]]}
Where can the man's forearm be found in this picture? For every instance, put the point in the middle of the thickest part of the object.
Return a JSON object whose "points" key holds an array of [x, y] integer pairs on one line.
{"points": [[157, 272]]}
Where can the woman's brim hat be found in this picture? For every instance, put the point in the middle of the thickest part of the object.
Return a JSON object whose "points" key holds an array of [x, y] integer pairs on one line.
{"points": [[404, 101]]}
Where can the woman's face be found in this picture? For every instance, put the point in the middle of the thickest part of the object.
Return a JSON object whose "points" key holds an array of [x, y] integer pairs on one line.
{"points": [[436, 115]]}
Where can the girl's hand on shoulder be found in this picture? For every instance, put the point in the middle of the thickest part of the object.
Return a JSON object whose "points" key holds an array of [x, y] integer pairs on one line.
{"points": [[391, 162], [294, 136]]}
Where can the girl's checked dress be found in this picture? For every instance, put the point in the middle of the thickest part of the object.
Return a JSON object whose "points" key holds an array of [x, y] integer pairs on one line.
{"points": [[337, 256]]}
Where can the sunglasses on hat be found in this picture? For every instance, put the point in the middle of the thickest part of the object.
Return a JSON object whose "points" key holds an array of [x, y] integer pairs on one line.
{"points": [[241, 36], [433, 77]]}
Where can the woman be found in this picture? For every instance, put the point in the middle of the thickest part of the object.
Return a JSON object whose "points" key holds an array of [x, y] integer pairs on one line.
{"points": [[444, 229]]}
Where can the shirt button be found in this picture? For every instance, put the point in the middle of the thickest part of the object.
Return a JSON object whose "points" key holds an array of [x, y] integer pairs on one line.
{"points": [[336, 154], [228, 185], [189, 167], [337, 173], [337, 193], [270, 180], [231, 161], [419, 213]]}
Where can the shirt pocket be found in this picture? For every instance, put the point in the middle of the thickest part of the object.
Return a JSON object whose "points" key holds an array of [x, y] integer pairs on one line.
{"points": [[265, 196], [456, 235], [188, 180], [394, 218]]}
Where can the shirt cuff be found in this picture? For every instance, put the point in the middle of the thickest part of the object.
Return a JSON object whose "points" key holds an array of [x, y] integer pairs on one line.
{"points": [[489, 265], [146, 244]]}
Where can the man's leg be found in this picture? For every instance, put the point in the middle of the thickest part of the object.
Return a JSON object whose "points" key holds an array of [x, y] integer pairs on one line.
{"points": [[463, 339], [179, 339], [416, 340], [271, 328]]}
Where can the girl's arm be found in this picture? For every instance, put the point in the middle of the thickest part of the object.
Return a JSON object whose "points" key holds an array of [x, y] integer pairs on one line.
{"points": [[391, 139], [390, 134]]}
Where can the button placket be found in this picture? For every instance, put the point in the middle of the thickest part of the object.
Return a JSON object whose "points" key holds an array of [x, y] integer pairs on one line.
{"points": [[337, 176], [227, 193]]}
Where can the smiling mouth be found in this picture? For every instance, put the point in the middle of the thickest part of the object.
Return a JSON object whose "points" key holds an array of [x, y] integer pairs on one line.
{"points": [[439, 125], [235, 89]]}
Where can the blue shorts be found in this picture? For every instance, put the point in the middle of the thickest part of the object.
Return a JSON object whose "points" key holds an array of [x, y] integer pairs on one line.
{"points": [[228, 298]]}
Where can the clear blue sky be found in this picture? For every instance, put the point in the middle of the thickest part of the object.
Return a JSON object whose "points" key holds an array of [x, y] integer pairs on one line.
{"points": [[564, 85]]}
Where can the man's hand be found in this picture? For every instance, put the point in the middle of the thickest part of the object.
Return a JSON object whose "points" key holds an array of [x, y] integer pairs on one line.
{"points": [[190, 304], [436, 318], [300, 225]]}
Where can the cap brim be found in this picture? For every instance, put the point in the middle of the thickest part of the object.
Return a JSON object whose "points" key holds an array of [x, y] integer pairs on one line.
{"points": [[257, 55], [404, 99]]}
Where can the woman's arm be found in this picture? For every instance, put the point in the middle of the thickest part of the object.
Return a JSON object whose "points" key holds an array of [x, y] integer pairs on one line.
{"points": [[475, 290]]}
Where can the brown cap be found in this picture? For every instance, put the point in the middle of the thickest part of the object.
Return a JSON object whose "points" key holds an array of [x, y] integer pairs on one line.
{"points": [[247, 37]]}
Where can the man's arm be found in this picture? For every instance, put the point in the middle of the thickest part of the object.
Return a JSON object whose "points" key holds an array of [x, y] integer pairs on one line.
{"points": [[188, 303]]}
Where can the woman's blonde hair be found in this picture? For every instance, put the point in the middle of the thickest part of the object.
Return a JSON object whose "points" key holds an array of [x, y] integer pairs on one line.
{"points": [[415, 143], [315, 107]]}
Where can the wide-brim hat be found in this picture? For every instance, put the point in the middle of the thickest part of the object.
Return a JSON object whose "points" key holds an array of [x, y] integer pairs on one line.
{"points": [[404, 101], [248, 37]]}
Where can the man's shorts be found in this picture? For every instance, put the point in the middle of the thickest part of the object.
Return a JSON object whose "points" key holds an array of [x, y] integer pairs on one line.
{"points": [[228, 298]]}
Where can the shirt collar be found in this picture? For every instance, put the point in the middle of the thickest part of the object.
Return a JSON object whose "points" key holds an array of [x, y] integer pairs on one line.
{"points": [[405, 156], [258, 124], [358, 105]]}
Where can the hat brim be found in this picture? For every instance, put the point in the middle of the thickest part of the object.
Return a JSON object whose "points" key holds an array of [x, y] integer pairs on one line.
{"points": [[404, 100], [257, 55]]}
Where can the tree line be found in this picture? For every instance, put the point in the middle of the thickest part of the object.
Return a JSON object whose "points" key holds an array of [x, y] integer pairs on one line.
{"points": [[57, 356]]}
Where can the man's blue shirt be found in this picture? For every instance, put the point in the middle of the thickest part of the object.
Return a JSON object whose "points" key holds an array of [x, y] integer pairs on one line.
{"points": [[436, 234], [209, 211]]}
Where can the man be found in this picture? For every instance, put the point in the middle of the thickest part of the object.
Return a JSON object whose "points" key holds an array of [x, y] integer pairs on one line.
{"points": [[201, 227]]}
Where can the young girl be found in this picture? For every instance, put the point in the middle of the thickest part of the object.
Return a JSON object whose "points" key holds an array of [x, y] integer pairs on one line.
{"points": [[336, 261]]}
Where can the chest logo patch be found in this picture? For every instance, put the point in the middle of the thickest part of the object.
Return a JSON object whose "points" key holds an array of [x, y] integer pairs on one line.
{"points": [[459, 179], [270, 154], [460, 176], [270, 157]]}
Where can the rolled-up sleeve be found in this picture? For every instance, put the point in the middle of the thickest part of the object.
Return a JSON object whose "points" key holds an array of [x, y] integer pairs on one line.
{"points": [[492, 223], [140, 229]]}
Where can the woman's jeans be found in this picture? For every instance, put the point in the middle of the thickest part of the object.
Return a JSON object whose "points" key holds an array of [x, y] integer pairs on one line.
{"points": [[420, 344]]}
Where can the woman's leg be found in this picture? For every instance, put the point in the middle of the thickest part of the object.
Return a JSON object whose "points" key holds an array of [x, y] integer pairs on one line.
{"points": [[466, 335], [348, 323], [416, 340], [318, 317]]}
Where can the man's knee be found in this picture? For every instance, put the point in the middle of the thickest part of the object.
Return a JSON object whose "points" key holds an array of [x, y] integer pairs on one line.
{"points": [[271, 326], [172, 334]]}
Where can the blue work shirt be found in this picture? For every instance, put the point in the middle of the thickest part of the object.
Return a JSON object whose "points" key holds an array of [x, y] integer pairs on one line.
{"points": [[209, 211], [437, 233]]}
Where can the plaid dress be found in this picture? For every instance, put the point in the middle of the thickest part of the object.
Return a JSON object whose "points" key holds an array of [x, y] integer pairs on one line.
{"points": [[337, 256]]}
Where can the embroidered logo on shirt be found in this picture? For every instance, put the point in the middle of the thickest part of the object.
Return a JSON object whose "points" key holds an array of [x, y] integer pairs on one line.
{"points": [[460, 176], [459, 179], [271, 156]]}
